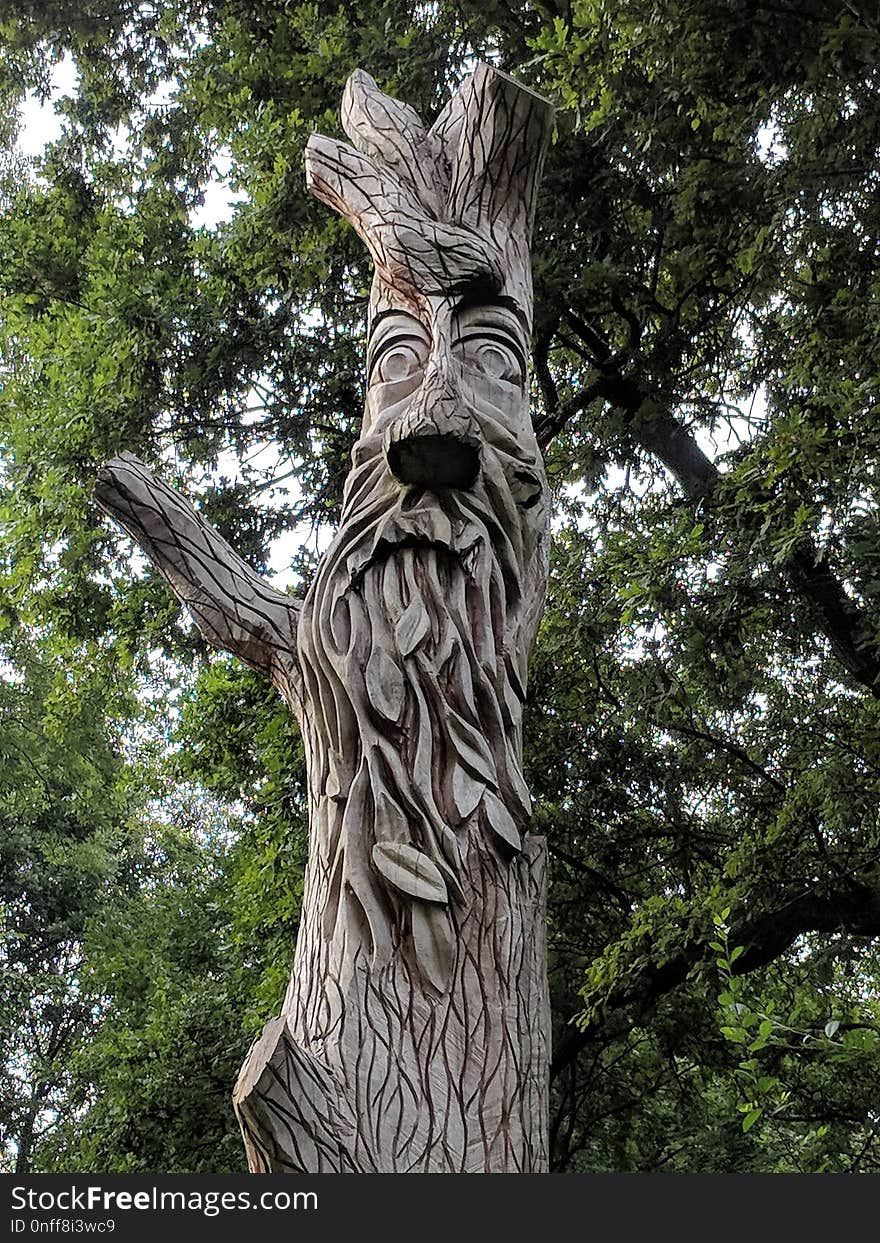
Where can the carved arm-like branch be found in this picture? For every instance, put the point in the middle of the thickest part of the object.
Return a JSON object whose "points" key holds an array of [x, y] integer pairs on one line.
{"points": [[235, 609]]}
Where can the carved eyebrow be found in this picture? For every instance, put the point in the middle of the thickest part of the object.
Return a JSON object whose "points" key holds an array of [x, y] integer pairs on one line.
{"points": [[478, 298], [393, 311]]}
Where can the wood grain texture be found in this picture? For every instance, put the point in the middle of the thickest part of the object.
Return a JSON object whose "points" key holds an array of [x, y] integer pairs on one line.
{"points": [[415, 1031]]}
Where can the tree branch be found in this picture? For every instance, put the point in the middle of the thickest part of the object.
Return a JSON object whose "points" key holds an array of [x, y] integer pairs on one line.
{"points": [[853, 909], [848, 630], [661, 434], [235, 609], [554, 421], [540, 356]]}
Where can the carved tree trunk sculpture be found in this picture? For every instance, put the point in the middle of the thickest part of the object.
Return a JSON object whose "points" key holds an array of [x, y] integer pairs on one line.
{"points": [[415, 1031]]}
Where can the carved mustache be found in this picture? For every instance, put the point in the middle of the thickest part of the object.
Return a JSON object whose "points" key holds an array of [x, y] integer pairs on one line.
{"points": [[380, 517], [431, 520]]}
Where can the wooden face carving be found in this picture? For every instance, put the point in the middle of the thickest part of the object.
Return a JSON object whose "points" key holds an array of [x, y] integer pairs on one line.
{"points": [[424, 380], [447, 408]]}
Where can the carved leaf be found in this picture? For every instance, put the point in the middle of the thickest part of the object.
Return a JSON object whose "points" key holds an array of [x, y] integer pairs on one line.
{"points": [[513, 674], [501, 822], [391, 824], [453, 885], [519, 791], [511, 708], [337, 783], [340, 625], [471, 747], [434, 944], [466, 792], [409, 870], [413, 627], [385, 686]]}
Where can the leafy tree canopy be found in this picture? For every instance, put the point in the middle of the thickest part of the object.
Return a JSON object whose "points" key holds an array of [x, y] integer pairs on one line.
{"points": [[704, 711]]}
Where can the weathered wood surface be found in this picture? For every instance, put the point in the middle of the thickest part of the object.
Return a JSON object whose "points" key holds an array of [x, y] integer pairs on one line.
{"points": [[415, 1031]]}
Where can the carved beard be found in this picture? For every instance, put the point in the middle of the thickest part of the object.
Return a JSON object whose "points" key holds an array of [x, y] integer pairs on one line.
{"points": [[414, 642]]}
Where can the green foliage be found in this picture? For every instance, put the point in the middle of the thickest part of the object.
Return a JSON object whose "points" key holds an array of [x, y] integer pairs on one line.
{"points": [[801, 1050], [156, 1074], [702, 729], [65, 842]]}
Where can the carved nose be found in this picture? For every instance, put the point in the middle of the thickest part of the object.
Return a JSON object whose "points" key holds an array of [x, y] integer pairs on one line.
{"points": [[434, 461]]}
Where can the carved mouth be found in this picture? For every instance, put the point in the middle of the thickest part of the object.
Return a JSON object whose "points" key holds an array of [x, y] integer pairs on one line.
{"points": [[385, 549], [423, 523]]}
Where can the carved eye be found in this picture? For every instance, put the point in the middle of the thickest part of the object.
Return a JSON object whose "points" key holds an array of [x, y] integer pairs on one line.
{"points": [[497, 362], [399, 361], [493, 357]]}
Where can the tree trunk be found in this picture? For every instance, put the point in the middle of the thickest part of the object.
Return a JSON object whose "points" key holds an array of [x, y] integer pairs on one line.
{"points": [[415, 1031], [364, 1072]]}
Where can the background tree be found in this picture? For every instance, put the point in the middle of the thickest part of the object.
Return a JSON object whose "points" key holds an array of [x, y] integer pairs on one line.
{"points": [[61, 831], [703, 716]]}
